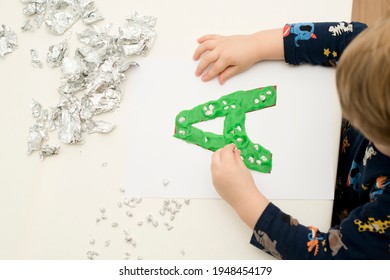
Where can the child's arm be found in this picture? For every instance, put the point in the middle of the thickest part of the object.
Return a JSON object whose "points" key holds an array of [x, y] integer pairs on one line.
{"points": [[234, 183], [313, 43], [284, 237]]}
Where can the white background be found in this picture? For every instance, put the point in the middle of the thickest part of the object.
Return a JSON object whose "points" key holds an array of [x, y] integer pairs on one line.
{"points": [[48, 208]]}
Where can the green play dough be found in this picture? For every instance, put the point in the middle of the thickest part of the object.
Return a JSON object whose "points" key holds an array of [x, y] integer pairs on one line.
{"points": [[233, 107]]}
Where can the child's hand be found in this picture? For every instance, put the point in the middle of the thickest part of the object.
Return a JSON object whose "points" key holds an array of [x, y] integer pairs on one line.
{"points": [[234, 183], [231, 178], [226, 56]]}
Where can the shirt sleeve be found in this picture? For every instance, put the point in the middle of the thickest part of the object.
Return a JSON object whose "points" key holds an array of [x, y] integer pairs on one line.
{"points": [[360, 236], [318, 43]]}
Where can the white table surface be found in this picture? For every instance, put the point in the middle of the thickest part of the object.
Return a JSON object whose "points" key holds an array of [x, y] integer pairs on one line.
{"points": [[48, 209]]}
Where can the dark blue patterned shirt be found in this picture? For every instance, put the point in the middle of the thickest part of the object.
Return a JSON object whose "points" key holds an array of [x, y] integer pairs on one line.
{"points": [[361, 213]]}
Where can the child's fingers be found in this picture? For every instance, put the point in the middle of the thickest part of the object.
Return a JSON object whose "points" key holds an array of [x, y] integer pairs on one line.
{"points": [[237, 157], [208, 37], [217, 68], [227, 152], [227, 74], [204, 47], [205, 62], [216, 158]]}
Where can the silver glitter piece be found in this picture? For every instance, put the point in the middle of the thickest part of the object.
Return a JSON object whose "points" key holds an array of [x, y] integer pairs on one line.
{"points": [[114, 224], [36, 136], [137, 36], [129, 213], [168, 226], [165, 182], [47, 151], [27, 26], [122, 190], [104, 164], [34, 59], [182, 252], [120, 204], [99, 127], [8, 40], [91, 14], [61, 15], [92, 254], [102, 210], [187, 201], [36, 109], [129, 239], [56, 54], [140, 223], [92, 241], [149, 218], [107, 243]]}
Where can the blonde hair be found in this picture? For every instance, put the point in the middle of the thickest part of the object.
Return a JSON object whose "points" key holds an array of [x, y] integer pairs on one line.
{"points": [[363, 82]]}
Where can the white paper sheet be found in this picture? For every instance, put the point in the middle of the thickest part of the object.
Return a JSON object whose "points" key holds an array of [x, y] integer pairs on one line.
{"points": [[298, 130]]}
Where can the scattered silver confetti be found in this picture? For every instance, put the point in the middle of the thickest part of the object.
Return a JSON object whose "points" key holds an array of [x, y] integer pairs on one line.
{"points": [[8, 40], [92, 241], [132, 202], [114, 224], [60, 15], [107, 243]]}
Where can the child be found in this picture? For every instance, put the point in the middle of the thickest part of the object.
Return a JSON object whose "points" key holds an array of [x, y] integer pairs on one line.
{"points": [[361, 222]]}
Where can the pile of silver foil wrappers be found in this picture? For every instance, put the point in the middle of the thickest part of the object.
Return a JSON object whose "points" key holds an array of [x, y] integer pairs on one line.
{"points": [[58, 15], [90, 82]]}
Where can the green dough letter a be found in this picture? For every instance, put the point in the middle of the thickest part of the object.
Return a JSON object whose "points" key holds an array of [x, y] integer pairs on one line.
{"points": [[233, 107]]}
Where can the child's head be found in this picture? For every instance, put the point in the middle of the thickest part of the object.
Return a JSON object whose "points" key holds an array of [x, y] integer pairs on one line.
{"points": [[363, 82]]}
